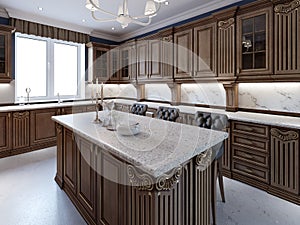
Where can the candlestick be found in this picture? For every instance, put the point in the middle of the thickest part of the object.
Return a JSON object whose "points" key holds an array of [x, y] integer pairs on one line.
{"points": [[97, 88], [101, 92]]}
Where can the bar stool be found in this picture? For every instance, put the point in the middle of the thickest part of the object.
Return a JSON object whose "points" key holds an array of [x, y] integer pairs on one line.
{"points": [[139, 109], [167, 113], [215, 122]]}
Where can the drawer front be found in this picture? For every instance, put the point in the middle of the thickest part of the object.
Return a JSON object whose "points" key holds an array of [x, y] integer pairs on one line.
{"points": [[247, 155], [255, 144], [251, 171], [252, 129]]}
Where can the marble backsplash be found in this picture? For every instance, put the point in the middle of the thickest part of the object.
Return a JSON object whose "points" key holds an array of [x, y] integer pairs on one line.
{"points": [[7, 93], [270, 96], [206, 93], [160, 92]]}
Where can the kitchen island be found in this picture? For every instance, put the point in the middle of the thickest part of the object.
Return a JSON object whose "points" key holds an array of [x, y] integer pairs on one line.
{"points": [[159, 176]]}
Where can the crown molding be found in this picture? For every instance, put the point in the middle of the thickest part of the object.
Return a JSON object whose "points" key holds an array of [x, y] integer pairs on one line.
{"points": [[208, 7], [99, 34], [47, 21]]}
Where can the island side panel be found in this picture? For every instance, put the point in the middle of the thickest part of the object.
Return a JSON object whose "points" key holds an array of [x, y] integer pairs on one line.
{"points": [[180, 197]]}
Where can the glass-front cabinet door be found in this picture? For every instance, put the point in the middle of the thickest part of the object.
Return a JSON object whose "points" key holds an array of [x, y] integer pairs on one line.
{"points": [[254, 39], [5, 51]]}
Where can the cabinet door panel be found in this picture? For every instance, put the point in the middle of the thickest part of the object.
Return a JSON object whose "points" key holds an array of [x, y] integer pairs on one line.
{"points": [[70, 160], [285, 159], [110, 189], [5, 53], [42, 127], [142, 60], [86, 179], [254, 42], [155, 58], [183, 53], [20, 129], [287, 47], [205, 50], [5, 132]]}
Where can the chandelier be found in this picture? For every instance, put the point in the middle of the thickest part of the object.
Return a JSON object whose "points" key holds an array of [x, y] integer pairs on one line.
{"points": [[123, 17]]}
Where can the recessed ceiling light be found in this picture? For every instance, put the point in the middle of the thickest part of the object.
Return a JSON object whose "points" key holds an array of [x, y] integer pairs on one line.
{"points": [[83, 20], [166, 3], [40, 8], [113, 28]]}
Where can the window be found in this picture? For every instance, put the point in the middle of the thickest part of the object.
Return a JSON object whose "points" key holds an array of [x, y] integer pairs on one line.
{"points": [[49, 67]]}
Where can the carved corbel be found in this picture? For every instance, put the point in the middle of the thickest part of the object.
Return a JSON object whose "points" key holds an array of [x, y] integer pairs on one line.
{"points": [[203, 160], [58, 128], [143, 181], [167, 182], [286, 8], [175, 92], [226, 23], [284, 135], [140, 89]]}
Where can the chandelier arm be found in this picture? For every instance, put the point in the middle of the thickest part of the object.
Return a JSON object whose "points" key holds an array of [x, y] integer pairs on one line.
{"points": [[152, 14], [141, 23], [102, 10], [102, 20]]}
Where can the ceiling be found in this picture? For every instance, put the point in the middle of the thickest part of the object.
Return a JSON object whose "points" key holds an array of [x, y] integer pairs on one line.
{"points": [[70, 14]]}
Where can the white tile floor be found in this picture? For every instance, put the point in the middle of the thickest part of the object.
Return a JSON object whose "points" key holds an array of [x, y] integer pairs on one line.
{"points": [[30, 196]]}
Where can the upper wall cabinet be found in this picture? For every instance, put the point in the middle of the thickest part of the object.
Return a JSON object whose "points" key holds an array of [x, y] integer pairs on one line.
{"points": [[286, 36], [98, 61], [122, 63], [155, 58], [254, 41], [205, 51], [5, 53], [183, 55]]}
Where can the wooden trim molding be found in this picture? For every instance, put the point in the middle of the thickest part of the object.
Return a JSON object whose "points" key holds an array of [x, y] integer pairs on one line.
{"points": [[225, 24], [284, 136], [231, 96], [286, 8]]}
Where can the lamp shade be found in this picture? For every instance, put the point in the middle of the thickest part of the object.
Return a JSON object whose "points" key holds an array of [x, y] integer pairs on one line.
{"points": [[150, 8], [159, 1]]}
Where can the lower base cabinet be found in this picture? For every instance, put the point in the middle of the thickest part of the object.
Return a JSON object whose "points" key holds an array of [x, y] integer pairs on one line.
{"points": [[285, 164], [5, 132]]}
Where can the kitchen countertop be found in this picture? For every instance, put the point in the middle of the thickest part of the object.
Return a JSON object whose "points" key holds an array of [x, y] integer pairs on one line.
{"points": [[158, 148], [261, 118]]}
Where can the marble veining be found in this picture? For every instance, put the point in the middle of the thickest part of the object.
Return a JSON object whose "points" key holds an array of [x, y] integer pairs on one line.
{"points": [[158, 148], [112, 90], [203, 93], [270, 96], [158, 92]]}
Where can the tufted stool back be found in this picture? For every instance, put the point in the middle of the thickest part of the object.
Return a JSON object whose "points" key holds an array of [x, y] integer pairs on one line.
{"points": [[167, 113], [139, 109], [212, 121]]}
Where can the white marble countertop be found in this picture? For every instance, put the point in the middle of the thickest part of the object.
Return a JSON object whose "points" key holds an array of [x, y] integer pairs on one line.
{"points": [[261, 118], [33, 106], [158, 148]]}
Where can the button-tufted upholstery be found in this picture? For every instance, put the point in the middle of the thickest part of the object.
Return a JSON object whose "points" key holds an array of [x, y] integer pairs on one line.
{"points": [[215, 122], [139, 109], [167, 113]]}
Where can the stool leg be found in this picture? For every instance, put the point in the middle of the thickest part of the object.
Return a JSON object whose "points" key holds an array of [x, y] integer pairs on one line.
{"points": [[220, 178], [213, 190]]}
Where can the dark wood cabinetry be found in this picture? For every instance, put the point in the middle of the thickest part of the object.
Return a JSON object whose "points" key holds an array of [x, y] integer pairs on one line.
{"points": [[255, 41], [69, 163], [205, 51], [5, 53], [20, 127], [183, 57], [285, 163], [98, 61], [250, 153], [42, 128], [286, 36], [5, 132], [86, 175], [127, 59]]}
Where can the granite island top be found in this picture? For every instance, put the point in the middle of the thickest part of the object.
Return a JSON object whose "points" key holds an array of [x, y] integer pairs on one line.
{"points": [[158, 148]]}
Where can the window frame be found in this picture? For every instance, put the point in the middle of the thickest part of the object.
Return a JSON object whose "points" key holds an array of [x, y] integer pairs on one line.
{"points": [[50, 95]]}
